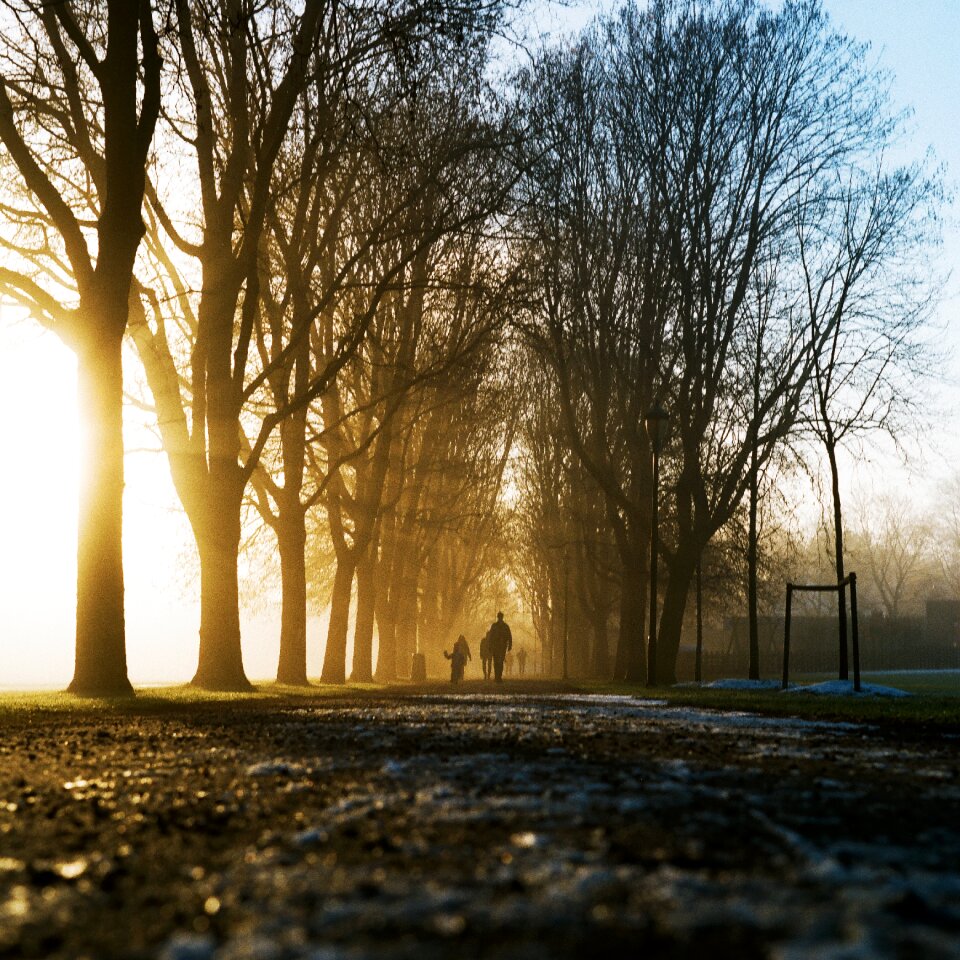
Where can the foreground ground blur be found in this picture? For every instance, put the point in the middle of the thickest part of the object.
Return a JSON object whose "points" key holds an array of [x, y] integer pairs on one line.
{"points": [[473, 824]]}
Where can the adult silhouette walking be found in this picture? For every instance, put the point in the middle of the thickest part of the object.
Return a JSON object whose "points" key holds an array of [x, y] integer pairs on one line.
{"points": [[486, 657], [500, 640], [521, 661]]}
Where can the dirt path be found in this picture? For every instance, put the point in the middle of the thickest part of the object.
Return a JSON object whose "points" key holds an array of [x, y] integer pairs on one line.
{"points": [[443, 826]]}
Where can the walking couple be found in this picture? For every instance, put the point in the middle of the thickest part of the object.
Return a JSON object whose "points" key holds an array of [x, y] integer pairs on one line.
{"points": [[494, 648]]}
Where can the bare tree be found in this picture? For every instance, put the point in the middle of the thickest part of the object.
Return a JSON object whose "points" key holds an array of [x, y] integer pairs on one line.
{"points": [[241, 74], [867, 295], [591, 247], [200, 349], [79, 100], [895, 549]]}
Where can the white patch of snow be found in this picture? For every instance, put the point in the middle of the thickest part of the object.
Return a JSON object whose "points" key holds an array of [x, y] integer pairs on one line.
{"points": [[605, 699], [733, 683], [310, 838], [188, 946], [844, 688], [275, 768], [717, 720]]}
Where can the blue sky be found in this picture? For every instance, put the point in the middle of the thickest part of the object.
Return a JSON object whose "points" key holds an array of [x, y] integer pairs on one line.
{"points": [[918, 42]]}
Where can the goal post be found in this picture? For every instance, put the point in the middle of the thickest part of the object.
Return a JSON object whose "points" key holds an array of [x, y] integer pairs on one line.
{"points": [[840, 587]]}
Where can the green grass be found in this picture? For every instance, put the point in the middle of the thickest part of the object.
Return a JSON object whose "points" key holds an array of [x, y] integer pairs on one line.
{"points": [[159, 699], [935, 704], [940, 683], [917, 711], [935, 707]]}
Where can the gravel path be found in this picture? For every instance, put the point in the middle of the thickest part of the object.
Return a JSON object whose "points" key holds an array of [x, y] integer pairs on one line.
{"points": [[471, 825]]}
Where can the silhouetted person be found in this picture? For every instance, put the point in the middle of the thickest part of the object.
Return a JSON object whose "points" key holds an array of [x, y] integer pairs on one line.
{"points": [[457, 662], [501, 640], [486, 657], [521, 661], [464, 649], [458, 658]]}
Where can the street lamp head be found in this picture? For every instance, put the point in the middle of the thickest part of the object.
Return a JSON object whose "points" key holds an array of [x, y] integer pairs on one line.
{"points": [[657, 421]]}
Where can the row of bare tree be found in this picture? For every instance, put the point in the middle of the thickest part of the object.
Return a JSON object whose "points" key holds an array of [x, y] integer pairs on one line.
{"points": [[411, 315], [288, 210], [708, 220]]}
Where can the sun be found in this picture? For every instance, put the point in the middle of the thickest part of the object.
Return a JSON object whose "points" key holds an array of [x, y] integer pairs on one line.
{"points": [[38, 526]]}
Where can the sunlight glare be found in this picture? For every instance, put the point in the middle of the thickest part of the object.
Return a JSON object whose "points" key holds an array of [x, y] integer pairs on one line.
{"points": [[38, 520]]}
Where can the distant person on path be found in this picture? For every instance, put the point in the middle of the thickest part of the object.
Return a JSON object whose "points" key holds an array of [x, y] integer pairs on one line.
{"points": [[464, 648], [501, 640], [521, 661], [486, 657], [458, 658]]}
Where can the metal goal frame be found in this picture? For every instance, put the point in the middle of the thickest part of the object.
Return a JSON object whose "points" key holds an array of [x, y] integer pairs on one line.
{"points": [[839, 587]]}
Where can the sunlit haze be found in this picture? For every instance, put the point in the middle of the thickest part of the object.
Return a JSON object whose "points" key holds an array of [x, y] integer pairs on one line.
{"points": [[38, 484], [38, 541]]}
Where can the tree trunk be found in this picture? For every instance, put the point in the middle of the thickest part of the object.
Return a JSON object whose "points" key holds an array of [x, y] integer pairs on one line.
{"points": [[385, 604], [407, 617], [291, 540], [601, 653], [291, 528], [838, 551], [220, 665], [430, 639], [752, 551], [633, 601], [366, 606], [335, 656], [680, 575], [101, 660]]}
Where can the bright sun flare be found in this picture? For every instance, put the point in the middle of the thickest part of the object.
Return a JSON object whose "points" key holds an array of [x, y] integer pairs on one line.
{"points": [[38, 519]]}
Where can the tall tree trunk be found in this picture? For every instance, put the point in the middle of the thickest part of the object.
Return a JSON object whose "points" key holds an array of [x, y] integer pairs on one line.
{"points": [[128, 77], [335, 655], [601, 653], [366, 607], [407, 615], [752, 551], [633, 601], [218, 533], [681, 569], [385, 603], [838, 553], [291, 540], [220, 662], [430, 640], [101, 661], [291, 529]]}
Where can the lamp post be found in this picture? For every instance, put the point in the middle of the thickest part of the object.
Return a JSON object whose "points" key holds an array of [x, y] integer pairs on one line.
{"points": [[656, 420]]}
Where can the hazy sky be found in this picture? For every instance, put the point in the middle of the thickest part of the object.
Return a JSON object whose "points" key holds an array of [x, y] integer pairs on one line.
{"points": [[919, 40]]}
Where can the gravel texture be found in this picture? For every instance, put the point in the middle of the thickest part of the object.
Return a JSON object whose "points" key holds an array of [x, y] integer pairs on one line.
{"points": [[470, 825]]}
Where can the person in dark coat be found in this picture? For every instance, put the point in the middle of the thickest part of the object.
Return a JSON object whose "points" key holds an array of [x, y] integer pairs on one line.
{"points": [[500, 640], [464, 648], [486, 658]]}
